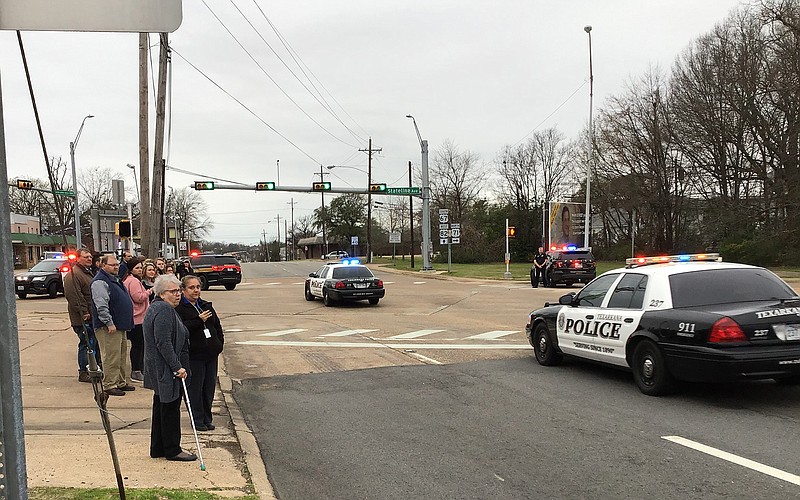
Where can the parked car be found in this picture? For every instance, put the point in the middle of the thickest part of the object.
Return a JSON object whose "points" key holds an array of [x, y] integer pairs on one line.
{"points": [[338, 254], [217, 270], [570, 266], [45, 278]]}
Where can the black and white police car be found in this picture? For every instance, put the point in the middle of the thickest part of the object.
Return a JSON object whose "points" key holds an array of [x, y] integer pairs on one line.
{"points": [[347, 280], [683, 317]]}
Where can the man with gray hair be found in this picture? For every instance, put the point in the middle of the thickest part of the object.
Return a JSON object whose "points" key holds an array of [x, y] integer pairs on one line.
{"points": [[112, 317]]}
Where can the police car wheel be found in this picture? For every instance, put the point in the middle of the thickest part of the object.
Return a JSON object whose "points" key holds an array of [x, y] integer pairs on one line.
{"points": [[650, 370], [373, 302], [203, 283], [543, 348], [52, 290], [22, 295], [309, 297], [326, 299]]}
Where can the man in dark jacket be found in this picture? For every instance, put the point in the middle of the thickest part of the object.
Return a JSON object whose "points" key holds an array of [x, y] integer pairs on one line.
{"points": [[77, 290], [205, 344], [112, 317]]}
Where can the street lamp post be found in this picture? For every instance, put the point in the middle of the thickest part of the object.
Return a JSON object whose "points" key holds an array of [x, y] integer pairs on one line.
{"points": [[426, 201], [72, 146], [587, 215]]}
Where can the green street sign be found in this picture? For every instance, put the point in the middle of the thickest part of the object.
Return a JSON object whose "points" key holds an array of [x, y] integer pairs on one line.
{"points": [[403, 190], [64, 192]]}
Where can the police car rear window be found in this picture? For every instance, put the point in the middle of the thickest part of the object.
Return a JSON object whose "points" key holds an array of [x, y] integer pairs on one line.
{"points": [[576, 255], [221, 261], [725, 286], [352, 272]]}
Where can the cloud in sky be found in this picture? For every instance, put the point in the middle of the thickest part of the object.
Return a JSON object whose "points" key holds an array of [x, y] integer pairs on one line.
{"points": [[482, 74]]}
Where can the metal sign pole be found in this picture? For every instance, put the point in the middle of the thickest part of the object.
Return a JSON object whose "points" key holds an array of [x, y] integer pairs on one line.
{"points": [[13, 474]]}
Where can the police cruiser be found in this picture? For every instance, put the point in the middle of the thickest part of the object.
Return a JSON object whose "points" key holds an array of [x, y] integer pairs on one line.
{"points": [[681, 317], [348, 280]]}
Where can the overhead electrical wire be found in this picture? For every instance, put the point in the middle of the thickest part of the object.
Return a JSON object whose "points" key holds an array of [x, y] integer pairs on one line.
{"points": [[272, 79], [196, 174], [551, 114], [318, 96], [317, 162], [294, 53]]}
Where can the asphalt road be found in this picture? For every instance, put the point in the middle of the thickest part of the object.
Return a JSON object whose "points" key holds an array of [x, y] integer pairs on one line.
{"points": [[435, 394]]}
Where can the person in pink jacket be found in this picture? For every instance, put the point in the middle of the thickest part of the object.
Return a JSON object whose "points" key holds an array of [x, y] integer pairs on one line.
{"points": [[141, 300]]}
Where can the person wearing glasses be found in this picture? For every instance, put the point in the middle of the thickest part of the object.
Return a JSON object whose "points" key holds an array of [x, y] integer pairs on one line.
{"points": [[206, 339], [112, 318], [166, 358]]}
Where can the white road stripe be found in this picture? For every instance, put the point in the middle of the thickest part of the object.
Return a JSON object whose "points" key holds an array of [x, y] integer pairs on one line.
{"points": [[419, 282], [414, 335], [730, 457], [388, 282], [245, 284], [269, 284], [346, 333], [299, 283], [374, 345], [231, 330], [424, 359], [282, 332], [493, 335]]}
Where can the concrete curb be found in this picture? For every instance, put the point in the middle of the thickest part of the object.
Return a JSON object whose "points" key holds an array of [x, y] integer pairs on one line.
{"points": [[247, 442], [442, 275]]}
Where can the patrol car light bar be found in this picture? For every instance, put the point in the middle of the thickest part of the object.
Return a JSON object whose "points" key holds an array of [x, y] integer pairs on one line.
{"points": [[661, 259], [351, 262]]}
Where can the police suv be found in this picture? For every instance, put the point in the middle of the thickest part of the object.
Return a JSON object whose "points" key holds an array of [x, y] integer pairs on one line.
{"points": [[348, 280], [681, 317]]}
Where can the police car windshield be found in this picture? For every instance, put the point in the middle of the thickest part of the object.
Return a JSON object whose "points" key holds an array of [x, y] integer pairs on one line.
{"points": [[724, 286], [352, 272]]}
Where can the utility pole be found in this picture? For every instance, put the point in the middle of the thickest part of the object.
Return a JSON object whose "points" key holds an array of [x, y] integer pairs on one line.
{"points": [[322, 193], [144, 154], [411, 214], [294, 250], [266, 247], [157, 200], [369, 152], [286, 239], [278, 220]]}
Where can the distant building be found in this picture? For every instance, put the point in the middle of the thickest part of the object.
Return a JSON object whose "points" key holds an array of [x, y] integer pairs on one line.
{"points": [[29, 244]]}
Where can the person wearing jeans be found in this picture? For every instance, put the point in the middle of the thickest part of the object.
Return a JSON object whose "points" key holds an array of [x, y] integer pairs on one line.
{"points": [[77, 290]]}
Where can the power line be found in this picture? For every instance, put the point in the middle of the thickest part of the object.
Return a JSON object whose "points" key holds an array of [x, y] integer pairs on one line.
{"points": [[551, 114], [294, 53], [205, 176], [322, 102], [272, 79], [245, 107]]}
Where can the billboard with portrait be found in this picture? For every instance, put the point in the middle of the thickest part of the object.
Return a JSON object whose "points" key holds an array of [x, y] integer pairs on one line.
{"points": [[565, 223]]}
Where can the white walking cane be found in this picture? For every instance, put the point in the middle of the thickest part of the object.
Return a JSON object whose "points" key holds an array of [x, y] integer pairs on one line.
{"points": [[191, 419]]}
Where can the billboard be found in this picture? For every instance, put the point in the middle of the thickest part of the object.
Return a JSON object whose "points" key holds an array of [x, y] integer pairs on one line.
{"points": [[565, 223], [153, 16]]}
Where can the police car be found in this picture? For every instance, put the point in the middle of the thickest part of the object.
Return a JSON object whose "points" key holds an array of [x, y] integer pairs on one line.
{"points": [[347, 280], [682, 317]]}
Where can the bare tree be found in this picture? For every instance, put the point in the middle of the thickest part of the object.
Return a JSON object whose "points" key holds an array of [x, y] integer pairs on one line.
{"points": [[190, 213], [456, 179]]}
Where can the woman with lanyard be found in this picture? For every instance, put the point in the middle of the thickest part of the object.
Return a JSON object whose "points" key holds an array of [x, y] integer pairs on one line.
{"points": [[206, 339]]}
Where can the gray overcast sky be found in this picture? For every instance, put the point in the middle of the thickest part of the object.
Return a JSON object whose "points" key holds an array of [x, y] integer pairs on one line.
{"points": [[483, 74]]}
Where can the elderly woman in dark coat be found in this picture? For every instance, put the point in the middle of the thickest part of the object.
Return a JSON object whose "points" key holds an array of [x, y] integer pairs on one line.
{"points": [[166, 356]]}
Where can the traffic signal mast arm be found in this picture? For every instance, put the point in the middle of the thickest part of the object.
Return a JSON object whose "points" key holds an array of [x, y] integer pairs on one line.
{"points": [[301, 189]]}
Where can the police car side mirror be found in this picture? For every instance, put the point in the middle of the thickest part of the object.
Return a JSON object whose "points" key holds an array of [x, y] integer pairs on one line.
{"points": [[312, 275], [567, 300]]}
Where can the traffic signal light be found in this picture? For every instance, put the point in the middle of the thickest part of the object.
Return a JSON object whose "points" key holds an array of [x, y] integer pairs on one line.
{"points": [[125, 229], [321, 186], [265, 186], [377, 188], [512, 231], [203, 185], [23, 184]]}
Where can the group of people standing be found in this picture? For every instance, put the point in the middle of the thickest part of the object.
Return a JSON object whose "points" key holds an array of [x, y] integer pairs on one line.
{"points": [[175, 337]]}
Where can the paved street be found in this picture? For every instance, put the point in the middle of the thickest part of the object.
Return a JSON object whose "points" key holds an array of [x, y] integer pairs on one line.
{"points": [[434, 393]]}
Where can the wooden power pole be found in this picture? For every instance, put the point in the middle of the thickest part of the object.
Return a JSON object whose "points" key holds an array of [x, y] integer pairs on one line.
{"points": [[156, 200], [144, 153]]}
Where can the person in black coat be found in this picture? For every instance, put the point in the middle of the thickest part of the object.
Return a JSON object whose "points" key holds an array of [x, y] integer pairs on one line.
{"points": [[166, 356], [206, 340]]}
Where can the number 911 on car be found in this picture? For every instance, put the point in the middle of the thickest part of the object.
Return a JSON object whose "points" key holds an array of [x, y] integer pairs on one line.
{"points": [[345, 281], [677, 318]]}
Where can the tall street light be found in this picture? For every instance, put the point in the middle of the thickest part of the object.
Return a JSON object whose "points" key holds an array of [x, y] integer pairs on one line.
{"points": [[587, 215], [426, 201], [72, 146]]}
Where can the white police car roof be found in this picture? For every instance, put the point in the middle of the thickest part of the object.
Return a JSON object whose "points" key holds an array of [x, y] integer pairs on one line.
{"points": [[670, 268]]}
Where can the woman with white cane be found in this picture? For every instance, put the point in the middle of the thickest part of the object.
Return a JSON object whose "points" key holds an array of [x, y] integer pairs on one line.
{"points": [[166, 354]]}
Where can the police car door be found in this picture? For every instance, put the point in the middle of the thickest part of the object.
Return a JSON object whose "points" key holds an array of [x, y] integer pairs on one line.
{"points": [[315, 286], [619, 318], [575, 326]]}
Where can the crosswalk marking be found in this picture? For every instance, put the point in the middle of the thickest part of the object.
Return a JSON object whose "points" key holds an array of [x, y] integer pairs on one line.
{"points": [[345, 333], [282, 332], [414, 335], [376, 345], [493, 335]]}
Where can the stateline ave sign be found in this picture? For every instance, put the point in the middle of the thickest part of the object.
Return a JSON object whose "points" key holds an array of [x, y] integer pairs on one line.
{"points": [[147, 16]]}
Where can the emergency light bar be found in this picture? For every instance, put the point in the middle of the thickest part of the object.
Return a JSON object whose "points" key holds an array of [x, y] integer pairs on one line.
{"points": [[662, 259]]}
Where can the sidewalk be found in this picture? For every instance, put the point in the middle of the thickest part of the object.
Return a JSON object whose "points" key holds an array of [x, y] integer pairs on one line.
{"points": [[66, 445]]}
